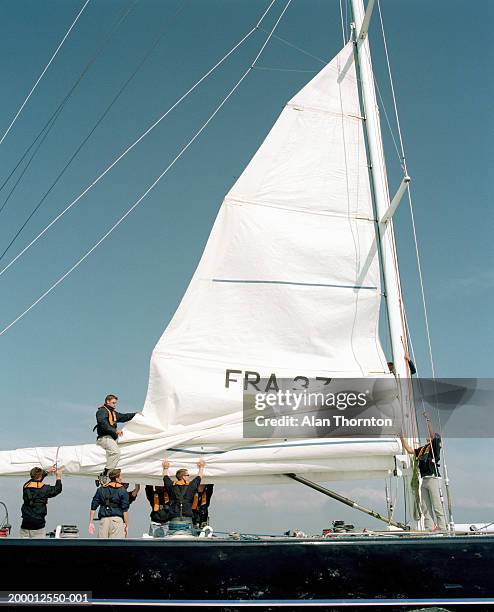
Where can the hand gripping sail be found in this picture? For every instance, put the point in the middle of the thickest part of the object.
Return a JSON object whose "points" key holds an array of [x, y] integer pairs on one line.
{"points": [[288, 283]]}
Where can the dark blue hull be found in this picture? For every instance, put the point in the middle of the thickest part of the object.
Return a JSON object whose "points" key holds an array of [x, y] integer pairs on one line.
{"points": [[395, 568]]}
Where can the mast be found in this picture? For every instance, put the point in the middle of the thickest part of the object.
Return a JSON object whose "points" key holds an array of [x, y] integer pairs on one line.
{"points": [[384, 212], [381, 193]]}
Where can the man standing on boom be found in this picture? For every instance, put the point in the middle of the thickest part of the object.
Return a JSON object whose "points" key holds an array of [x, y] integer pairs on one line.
{"points": [[106, 428]]}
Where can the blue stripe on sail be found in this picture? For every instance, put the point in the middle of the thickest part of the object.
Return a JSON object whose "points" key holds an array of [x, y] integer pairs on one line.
{"points": [[274, 282], [195, 452]]}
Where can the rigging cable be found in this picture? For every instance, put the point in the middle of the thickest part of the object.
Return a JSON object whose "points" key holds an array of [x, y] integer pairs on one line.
{"points": [[290, 44], [51, 122], [141, 137], [417, 255], [98, 122], [157, 180], [43, 73], [342, 23]]}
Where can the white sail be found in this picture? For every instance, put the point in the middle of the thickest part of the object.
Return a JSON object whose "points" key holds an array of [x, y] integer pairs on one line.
{"points": [[289, 283]]}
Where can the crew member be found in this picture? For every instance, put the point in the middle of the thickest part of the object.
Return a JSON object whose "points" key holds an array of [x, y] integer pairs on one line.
{"points": [[159, 501], [200, 505], [106, 428], [428, 459], [132, 494], [35, 494], [181, 494], [113, 503]]}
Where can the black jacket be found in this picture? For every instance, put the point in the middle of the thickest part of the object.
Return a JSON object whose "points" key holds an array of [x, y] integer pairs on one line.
{"points": [[181, 496], [159, 502], [112, 500], [35, 497], [103, 426], [428, 457]]}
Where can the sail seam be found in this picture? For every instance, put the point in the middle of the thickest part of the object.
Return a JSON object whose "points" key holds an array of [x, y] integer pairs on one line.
{"points": [[240, 202], [315, 109], [167, 354]]}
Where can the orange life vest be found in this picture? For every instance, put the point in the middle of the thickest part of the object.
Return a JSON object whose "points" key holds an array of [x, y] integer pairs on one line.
{"points": [[156, 501], [34, 484]]}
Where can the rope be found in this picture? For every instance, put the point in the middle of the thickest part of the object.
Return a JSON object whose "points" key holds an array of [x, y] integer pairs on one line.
{"points": [[290, 44], [419, 268], [43, 73], [130, 147], [282, 69], [5, 524], [95, 126], [46, 129], [391, 84], [63, 102], [417, 254], [153, 185], [52, 122], [342, 22]]}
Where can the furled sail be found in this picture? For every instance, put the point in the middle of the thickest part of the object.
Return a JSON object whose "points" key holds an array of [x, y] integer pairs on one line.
{"points": [[289, 283]]}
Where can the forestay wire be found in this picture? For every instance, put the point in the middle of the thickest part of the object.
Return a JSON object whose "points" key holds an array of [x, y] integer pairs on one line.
{"points": [[136, 142], [157, 180], [43, 73]]}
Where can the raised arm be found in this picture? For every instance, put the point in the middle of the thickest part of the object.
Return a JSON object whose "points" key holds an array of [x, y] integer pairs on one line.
{"points": [[406, 446], [201, 464], [56, 489], [166, 466], [167, 481], [429, 426]]}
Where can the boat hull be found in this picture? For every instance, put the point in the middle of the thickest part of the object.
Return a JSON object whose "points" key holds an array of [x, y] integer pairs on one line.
{"points": [[404, 567]]}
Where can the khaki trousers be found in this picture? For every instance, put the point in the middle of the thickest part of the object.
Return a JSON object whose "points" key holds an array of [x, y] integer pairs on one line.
{"points": [[33, 533], [431, 503], [111, 527], [112, 451]]}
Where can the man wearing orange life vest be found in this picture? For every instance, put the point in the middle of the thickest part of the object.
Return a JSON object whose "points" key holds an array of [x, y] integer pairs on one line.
{"points": [[106, 428], [35, 496], [113, 503], [200, 505], [182, 492]]}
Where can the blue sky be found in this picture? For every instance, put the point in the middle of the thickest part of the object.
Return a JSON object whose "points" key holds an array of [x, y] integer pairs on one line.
{"points": [[95, 333]]}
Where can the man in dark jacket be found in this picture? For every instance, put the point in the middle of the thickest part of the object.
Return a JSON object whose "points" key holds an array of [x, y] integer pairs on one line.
{"points": [[181, 493], [428, 457], [200, 505], [113, 503], [160, 504], [106, 428], [35, 494]]}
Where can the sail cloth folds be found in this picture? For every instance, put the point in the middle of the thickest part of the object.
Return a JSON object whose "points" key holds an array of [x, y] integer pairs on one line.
{"points": [[288, 283], [289, 280]]}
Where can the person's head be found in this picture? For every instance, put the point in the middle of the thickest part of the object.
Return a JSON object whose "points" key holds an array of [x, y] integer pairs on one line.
{"points": [[37, 473], [115, 475], [111, 400], [391, 367], [182, 474]]}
